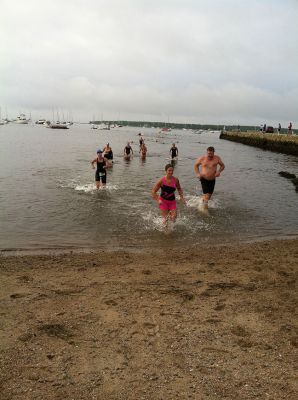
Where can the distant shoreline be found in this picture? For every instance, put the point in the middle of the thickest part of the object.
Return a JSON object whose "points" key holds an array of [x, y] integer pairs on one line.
{"points": [[287, 144]]}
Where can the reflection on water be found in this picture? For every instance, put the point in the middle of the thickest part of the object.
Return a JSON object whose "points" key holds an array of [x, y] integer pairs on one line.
{"points": [[48, 195]]}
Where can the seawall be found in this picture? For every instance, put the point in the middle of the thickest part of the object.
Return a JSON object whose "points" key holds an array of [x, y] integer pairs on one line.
{"points": [[287, 144]]}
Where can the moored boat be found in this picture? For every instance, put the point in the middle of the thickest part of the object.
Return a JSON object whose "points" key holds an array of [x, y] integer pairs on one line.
{"points": [[21, 119], [41, 121], [57, 125]]}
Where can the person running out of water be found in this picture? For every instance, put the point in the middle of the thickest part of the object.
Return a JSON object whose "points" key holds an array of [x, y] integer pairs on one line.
{"points": [[128, 152], [174, 151], [208, 172], [143, 150], [167, 201], [102, 163], [108, 152]]}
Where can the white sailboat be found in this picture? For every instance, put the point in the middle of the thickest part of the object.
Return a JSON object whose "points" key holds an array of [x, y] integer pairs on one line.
{"points": [[21, 119], [2, 121]]}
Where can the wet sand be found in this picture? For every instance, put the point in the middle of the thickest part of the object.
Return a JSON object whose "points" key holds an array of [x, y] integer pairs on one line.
{"points": [[211, 323]]}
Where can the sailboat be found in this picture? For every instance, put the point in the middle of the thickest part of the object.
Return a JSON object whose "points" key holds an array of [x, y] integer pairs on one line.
{"points": [[2, 121], [21, 119]]}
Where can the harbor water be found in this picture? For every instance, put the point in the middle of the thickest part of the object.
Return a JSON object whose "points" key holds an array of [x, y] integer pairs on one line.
{"points": [[49, 200]]}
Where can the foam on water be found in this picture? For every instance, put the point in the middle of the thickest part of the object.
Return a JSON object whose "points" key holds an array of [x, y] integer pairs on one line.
{"points": [[86, 187], [91, 188], [197, 202], [183, 222]]}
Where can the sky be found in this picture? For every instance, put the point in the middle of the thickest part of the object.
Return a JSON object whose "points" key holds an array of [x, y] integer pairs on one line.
{"points": [[184, 61]]}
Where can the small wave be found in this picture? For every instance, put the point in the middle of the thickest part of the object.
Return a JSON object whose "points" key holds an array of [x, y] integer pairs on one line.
{"points": [[91, 188], [87, 187], [155, 222], [197, 202]]}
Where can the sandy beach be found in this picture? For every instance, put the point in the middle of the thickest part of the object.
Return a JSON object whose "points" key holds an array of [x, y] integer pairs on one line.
{"points": [[211, 323]]}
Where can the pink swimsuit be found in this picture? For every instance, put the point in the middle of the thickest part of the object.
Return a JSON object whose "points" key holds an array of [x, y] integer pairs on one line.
{"points": [[167, 196]]}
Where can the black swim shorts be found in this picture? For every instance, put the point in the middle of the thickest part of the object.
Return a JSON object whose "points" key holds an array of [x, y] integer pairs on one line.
{"points": [[100, 176], [207, 186]]}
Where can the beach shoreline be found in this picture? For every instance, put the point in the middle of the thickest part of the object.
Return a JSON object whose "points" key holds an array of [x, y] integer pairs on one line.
{"points": [[211, 322]]}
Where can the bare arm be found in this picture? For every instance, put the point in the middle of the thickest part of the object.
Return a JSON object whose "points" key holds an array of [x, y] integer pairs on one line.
{"points": [[222, 167], [196, 167], [180, 190], [156, 189], [93, 162]]}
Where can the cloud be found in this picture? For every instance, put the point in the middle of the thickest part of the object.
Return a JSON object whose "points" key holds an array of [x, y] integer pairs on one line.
{"points": [[196, 60]]}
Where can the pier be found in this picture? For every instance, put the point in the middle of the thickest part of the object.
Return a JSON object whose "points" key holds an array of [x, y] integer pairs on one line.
{"points": [[287, 144]]}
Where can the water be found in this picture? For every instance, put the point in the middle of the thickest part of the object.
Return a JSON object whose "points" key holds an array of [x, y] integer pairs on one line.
{"points": [[48, 197]]}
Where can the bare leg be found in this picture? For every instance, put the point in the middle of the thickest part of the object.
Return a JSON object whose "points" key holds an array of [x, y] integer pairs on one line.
{"points": [[165, 217], [173, 215], [206, 197]]}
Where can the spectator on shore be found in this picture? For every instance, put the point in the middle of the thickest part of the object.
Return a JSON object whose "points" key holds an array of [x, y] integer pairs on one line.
{"points": [[290, 128], [264, 128], [279, 129]]}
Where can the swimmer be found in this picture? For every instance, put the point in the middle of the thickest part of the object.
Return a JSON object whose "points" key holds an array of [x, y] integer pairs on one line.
{"points": [[174, 151], [128, 152], [208, 173], [143, 151], [108, 152], [141, 140], [102, 164], [166, 201]]}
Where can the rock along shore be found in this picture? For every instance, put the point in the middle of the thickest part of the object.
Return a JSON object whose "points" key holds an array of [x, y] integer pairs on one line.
{"points": [[287, 144]]}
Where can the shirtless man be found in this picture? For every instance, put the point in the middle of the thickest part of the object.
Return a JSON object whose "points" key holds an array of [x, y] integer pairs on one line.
{"points": [[208, 173]]}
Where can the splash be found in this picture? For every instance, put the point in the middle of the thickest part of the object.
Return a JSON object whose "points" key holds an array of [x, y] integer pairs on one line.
{"points": [[86, 187], [197, 202], [91, 188], [183, 223]]}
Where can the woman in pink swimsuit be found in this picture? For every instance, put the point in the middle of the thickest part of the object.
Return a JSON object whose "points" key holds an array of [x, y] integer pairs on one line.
{"points": [[167, 202]]}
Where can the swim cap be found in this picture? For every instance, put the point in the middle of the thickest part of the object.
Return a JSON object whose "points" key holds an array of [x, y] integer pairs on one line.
{"points": [[99, 151]]}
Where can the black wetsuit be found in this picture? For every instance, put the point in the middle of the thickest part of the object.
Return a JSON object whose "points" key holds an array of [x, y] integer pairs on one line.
{"points": [[101, 173], [174, 152], [109, 155], [128, 150]]}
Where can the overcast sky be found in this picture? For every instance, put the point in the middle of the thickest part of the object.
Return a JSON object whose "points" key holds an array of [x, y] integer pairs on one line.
{"points": [[197, 61]]}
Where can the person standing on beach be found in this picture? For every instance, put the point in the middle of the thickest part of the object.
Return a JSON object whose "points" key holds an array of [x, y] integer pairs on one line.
{"points": [[208, 172], [173, 151], [279, 129], [128, 152], [102, 164], [167, 201], [290, 128]]}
